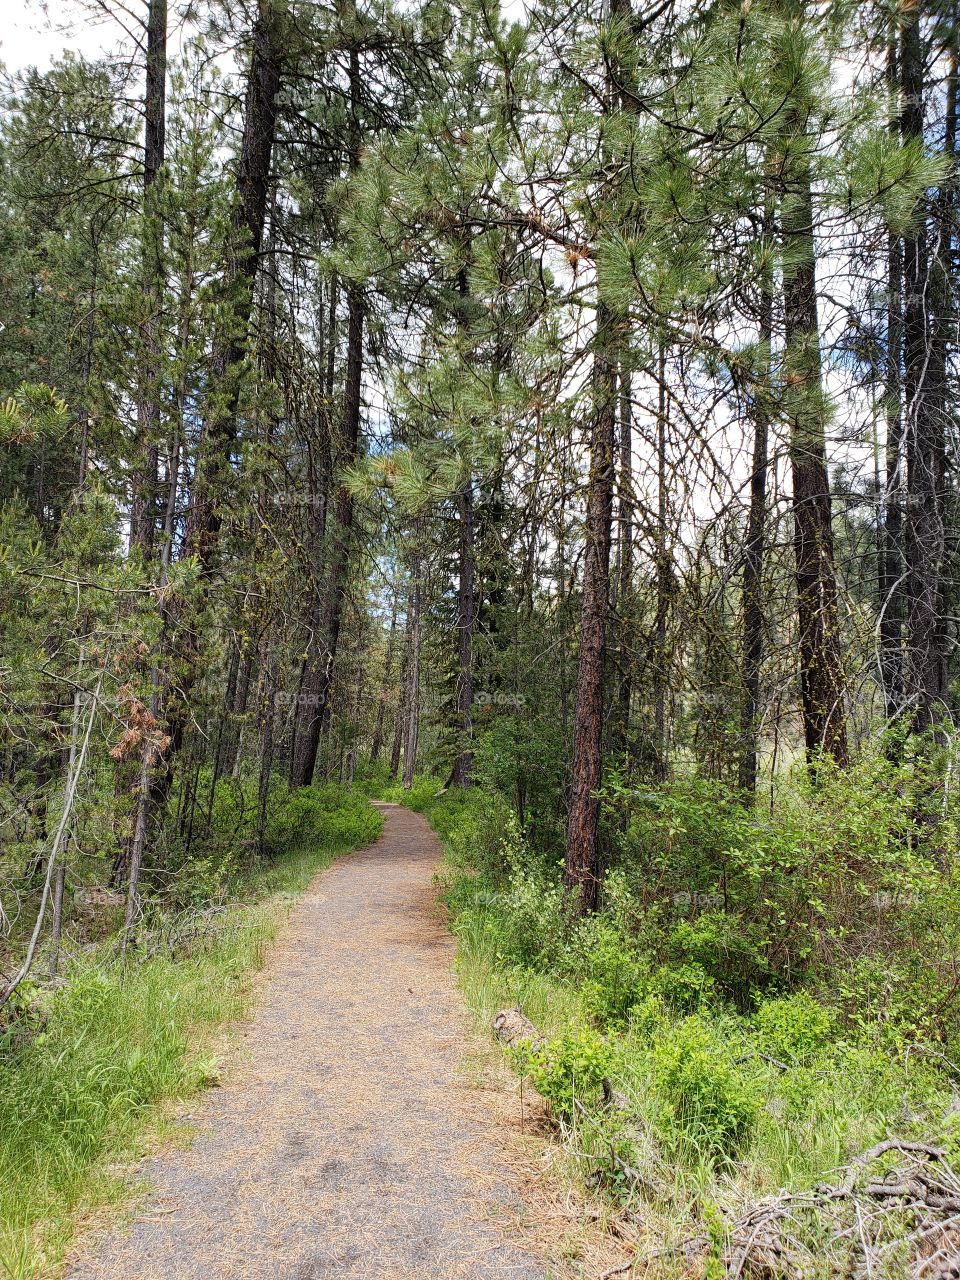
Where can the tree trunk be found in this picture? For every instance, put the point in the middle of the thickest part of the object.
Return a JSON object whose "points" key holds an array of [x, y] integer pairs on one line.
{"points": [[401, 717], [326, 633], [664, 583], [753, 557], [581, 863], [377, 744], [924, 427], [463, 765], [213, 462], [625, 566], [821, 672], [325, 637], [144, 499], [213, 466], [412, 699]]}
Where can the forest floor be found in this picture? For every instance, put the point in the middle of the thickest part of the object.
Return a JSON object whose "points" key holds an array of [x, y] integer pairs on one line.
{"points": [[351, 1137]]}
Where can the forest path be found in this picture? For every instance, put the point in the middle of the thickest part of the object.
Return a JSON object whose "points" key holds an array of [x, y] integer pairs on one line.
{"points": [[345, 1144]]}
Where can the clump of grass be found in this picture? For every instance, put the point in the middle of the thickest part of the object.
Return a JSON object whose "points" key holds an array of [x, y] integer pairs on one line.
{"points": [[86, 1069]]}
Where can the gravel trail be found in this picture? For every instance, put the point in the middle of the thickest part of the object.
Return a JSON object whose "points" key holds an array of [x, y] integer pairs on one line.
{"points": [[345, 1143]]}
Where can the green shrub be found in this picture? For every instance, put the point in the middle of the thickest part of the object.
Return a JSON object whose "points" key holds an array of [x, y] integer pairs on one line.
{"points": [[794, 1028], [708, 1101], [685, 987], [613, 974], [419, 796], [572, 1066]]}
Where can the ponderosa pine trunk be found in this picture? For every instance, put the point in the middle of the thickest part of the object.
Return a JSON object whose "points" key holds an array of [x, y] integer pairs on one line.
{"points": [[144, 498], [213, 462], [218, 434], [400, 718], [581, 862], [376, 745], [890, 560], [326, 634], [753, 557], [821, 669], [664, 583], [624, 694], [924, 359], [325, 637], [463, 764], [412, 695]]}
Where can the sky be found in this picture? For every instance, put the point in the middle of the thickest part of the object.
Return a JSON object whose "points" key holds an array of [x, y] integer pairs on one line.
{"points": [[29, 37]]}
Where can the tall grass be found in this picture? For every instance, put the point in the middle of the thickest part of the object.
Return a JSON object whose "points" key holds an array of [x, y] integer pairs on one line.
{"points": [[86, 1072]]}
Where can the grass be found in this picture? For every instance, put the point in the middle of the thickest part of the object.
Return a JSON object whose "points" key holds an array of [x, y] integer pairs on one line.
{"points": [[89, 1071], [723, 1107]]}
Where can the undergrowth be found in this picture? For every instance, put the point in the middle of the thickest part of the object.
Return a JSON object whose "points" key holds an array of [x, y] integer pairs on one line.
{"points": [[766, 994], [88, 1063]]}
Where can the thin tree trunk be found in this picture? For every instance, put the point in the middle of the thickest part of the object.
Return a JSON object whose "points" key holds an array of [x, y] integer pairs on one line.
{"points": [[56, 932], [266, 746], [253, 178], [412, 700], [326, 634], [213, 463], [401, 715], [925, 325], [143, 512], [377, 744], [581, 862], [625, 566], [466, 611], [753, 558], [325, 637], [664, 581]]}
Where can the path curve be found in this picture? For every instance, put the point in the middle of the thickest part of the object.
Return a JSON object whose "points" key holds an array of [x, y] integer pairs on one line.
{"points": [[345, 1144]]}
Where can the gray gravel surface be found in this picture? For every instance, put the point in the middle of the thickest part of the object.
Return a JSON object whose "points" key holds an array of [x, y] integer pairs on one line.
{"points": [[345, 1143]]}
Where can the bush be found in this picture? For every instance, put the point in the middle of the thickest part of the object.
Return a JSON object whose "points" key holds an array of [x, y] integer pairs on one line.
{"points": [[613, 974], [794, 1028], [708, 1101], [573, 1066], [223, 853]]}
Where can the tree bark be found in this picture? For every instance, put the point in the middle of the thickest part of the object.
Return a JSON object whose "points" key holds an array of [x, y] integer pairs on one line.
{"points": [[213, 465], [213, 462], [624, 583], [326, 631], [581, 862], [753, 558], [664, 583], [376, 745], [925, 303], [821, 671], [144, 499], [463, 765], [325, 636], [400, 720], [412, 699]]}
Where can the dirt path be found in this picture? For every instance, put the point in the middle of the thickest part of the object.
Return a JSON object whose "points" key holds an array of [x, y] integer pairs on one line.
{"points": [[345, 1145]]}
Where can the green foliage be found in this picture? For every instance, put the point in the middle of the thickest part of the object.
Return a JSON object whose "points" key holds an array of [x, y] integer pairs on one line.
{"points": [[733, 1070], [795, 1027], [569, 1069], [708, 1101], [223, 852], [419, 796]]}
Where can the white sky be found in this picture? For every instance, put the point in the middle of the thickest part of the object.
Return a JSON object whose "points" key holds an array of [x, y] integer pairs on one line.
{"points": [[29, 37]]}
